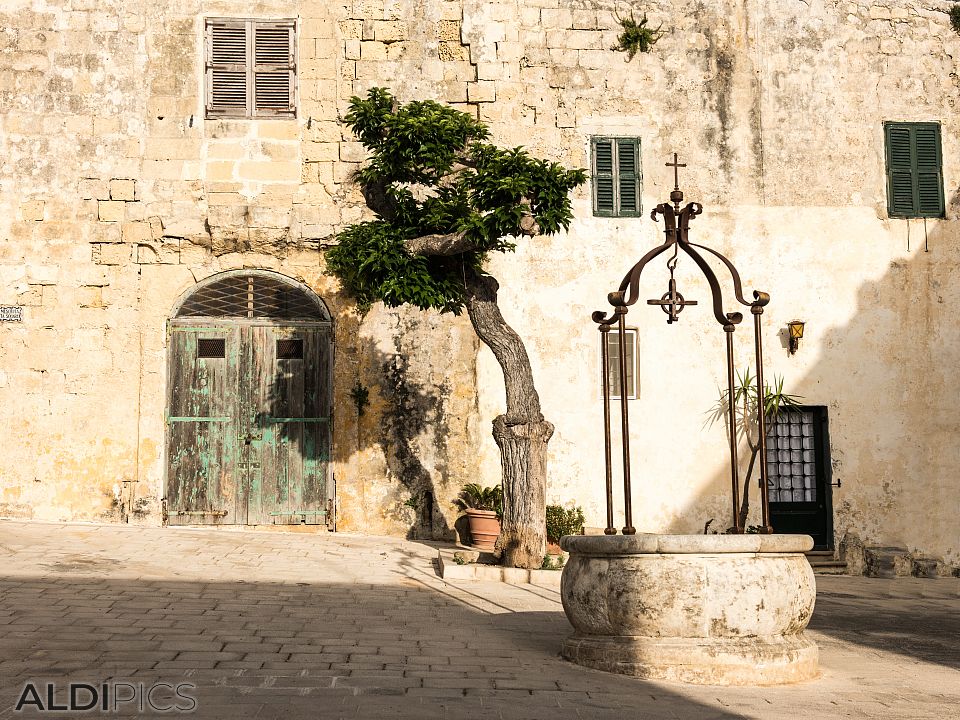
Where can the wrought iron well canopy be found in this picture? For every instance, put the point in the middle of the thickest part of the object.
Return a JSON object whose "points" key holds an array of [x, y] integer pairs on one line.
{"points": [[676, 227]]}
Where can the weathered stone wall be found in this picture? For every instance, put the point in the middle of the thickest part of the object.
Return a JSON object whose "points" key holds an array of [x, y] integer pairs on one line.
{"points": [[118, 196]]}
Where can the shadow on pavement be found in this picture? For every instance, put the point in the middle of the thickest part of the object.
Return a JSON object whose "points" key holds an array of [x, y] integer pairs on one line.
{"points": [[284, 650], [923, 629]]}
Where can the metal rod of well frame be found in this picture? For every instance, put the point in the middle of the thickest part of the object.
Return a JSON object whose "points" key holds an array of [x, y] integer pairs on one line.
{"points": [[757, 311], [732, 421], [628, 528], [605, 364]]}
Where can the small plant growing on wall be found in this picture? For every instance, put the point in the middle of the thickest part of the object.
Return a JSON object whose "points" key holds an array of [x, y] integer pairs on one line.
{"points": [[955, 17], [636, 36]]}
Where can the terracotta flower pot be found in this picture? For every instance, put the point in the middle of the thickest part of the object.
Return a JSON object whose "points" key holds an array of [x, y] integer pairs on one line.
{"points": [[484, 528]]}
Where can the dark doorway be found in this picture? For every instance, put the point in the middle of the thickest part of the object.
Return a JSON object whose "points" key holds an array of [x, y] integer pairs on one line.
{"points": [[248, 414], [799, 478]]}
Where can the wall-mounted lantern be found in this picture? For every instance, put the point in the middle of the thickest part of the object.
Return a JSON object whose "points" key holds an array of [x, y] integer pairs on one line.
{"points": [[796, 332]]}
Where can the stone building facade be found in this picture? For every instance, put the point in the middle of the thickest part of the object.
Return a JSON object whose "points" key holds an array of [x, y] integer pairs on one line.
{"points": [[121, 196]]}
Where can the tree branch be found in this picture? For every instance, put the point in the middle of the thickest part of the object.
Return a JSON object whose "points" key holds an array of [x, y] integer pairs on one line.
{"points": [[377, 199], [528, 223], [445, 245]]}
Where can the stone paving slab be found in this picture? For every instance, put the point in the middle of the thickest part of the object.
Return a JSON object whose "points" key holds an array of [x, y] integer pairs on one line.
{"points": [[271, 625]]}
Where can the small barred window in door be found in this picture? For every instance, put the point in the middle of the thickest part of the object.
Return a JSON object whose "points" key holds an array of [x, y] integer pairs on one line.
{"points": [[791, 458]]}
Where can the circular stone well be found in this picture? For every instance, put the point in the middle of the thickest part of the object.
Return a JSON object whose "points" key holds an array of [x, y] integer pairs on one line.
{"points": [[706, 609]]}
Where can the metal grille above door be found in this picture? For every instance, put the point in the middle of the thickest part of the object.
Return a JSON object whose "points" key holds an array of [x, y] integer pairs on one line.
{"points": [[251, 295]]}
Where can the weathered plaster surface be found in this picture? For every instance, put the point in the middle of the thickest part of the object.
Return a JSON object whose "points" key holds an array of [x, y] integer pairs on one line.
{"points": [[704, 609], [118, 195]]}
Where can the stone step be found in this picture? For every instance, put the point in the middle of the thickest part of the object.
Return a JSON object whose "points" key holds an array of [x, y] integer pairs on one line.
{"points": [[837, 569], [825, 562], [888, 562], [925, 567]]}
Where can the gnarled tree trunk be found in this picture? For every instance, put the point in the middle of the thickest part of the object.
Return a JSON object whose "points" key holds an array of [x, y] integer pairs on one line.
{"points": [[521, 433]]}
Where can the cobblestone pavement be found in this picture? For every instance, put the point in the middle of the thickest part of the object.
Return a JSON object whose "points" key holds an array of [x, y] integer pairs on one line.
{"points": [[290, 625]]}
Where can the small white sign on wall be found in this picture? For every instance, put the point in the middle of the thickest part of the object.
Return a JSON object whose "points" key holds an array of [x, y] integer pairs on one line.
{"points": [[11, 313]]}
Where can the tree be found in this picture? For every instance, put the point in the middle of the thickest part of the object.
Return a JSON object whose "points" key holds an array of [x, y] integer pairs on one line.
{"points": [[444, 198], [775, 400]]}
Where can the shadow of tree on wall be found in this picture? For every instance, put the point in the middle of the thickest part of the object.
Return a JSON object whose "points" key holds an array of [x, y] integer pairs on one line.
{"points": [[409, 416]]}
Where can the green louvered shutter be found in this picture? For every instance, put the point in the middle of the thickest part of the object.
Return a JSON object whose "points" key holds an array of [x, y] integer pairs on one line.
{"points": [[914, 170], [929, 170], [604, 197], [616, 177], [628, 176]]}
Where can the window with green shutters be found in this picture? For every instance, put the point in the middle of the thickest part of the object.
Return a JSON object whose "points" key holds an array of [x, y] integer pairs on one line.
{"points": [[914, 169], [616, 175]]}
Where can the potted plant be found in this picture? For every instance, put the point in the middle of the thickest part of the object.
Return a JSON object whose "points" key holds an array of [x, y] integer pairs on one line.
{"points": [[562, 521], [483, 507]]}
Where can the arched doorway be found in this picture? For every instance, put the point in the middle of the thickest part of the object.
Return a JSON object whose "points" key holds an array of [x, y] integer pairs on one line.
{"points": [[248, 403]]}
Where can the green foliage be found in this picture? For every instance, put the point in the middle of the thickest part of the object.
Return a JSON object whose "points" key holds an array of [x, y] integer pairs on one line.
{"points": [[551, 562], [475, 497], [432, 173], [561, 521], [636, 36], [360, 395], [745, 402], [955, 18]]}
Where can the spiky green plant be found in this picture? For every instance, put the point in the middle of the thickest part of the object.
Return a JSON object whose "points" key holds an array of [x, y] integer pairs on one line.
{"points": [[636, 36], [475, 497], [775, 400]]}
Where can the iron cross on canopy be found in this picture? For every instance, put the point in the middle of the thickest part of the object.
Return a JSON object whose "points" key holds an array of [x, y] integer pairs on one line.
{"points": [[676, 197]]}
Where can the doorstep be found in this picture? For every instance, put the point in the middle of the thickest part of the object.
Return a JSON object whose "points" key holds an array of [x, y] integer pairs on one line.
{"points": [[450, 570]]}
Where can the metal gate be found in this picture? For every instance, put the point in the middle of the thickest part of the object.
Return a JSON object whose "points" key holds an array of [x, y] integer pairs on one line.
{"points": [[248, 413]]}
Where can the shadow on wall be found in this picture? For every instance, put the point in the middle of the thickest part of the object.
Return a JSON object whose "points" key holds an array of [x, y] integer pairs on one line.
{"points": [[404, 408], [888, 378]]}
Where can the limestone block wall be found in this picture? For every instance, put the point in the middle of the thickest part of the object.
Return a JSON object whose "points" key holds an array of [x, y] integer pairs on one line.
{"points": [[118, 195]]}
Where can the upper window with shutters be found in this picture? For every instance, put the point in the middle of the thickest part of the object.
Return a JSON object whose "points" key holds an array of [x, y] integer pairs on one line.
{"points": [[615, 165], [914, 169], [251, 68]]}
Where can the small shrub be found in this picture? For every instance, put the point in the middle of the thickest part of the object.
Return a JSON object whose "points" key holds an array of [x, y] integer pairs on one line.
{"points": [[551, 562], [955, 18], [561, 521], [480, 498], [636, 36]]}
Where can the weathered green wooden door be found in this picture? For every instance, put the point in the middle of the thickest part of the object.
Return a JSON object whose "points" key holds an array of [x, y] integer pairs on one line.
{"points": [[202, 425], [249, 409], [286, 372]]}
